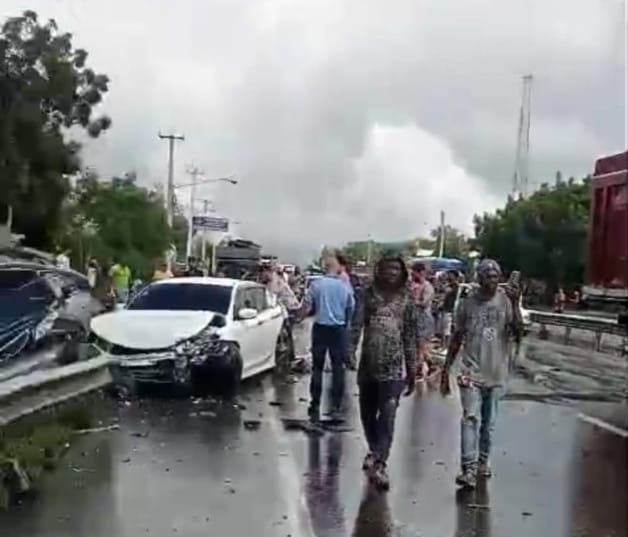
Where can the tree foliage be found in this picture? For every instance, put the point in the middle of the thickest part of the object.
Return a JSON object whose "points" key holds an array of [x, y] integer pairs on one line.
{"points": [[46, 89], [116, 220], [456, 245], [544, 235]]}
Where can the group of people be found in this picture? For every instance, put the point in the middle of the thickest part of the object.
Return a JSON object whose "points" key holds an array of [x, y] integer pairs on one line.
{"points": [[396, 322]]}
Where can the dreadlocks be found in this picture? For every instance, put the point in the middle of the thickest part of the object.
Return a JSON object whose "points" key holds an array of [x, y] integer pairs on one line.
{"points": [[390, 258]]}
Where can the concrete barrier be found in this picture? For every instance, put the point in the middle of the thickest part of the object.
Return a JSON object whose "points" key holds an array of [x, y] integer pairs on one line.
{"points": [[27, 394]]}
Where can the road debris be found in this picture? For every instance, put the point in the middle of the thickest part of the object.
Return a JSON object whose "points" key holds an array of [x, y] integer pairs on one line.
{"points": [[93, 430], [252, 425]]}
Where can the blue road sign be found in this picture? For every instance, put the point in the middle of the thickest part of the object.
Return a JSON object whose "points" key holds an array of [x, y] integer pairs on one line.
{"points": [[210, 223]]}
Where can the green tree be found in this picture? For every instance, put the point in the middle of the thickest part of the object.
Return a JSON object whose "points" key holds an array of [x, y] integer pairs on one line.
{"points": [[123, 221], [544, 235], [46, 89]]}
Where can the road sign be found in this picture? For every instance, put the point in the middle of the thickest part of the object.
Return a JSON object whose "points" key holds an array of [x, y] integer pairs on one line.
{"points": [[210, 223]]}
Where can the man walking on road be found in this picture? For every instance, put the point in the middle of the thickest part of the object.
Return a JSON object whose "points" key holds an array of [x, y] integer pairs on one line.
{"points": [[331, 300], [484, 323], [388, 360]]}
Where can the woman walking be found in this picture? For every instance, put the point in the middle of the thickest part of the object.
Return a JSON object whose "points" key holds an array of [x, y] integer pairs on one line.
{"points": [[388, 360], [423, 293]]}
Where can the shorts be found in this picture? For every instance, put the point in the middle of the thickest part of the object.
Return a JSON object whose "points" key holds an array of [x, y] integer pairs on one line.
{"points": [[448, 321], [425, 325]]}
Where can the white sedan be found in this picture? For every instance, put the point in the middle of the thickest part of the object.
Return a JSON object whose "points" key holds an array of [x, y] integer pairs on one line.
{"points": [[194, 333]]}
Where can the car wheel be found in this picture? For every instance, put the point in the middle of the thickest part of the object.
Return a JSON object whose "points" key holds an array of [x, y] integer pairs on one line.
{"points": [[233, 373]]}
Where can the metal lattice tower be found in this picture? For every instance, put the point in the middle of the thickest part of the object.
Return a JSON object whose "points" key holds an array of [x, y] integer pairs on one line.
{"points": [[522, 156]]}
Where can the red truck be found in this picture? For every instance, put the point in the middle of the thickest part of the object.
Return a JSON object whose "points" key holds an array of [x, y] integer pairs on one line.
{"points": [[607, 260]]}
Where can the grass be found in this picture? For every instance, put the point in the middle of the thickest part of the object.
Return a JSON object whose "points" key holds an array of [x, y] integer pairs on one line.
{"points": [[29, 448]]}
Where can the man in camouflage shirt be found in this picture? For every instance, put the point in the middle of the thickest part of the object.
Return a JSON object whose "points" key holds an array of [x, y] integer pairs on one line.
{"points": [[484, 325], [388, 360]]}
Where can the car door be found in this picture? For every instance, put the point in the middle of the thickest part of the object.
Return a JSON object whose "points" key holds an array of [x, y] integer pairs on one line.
{"points": [[277, 315], [245, 330], [268, 318]]}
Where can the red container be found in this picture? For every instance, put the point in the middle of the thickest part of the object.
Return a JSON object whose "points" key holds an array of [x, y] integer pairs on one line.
{"points": [[607, 268]]}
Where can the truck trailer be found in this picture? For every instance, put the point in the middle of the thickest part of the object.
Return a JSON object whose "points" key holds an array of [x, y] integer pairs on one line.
{"points": [[607, 259]]}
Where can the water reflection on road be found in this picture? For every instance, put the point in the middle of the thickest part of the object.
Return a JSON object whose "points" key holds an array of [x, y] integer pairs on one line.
{"points": [[195, 468]]}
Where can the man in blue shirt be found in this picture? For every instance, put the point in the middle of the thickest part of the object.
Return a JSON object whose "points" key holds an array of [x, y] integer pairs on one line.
{"points": [[331, 300]]}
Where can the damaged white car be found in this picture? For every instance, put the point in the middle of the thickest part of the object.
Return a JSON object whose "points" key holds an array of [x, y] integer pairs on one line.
{"points": [[198, 334]]}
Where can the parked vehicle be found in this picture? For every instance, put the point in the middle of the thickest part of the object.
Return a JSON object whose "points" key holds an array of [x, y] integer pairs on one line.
{"points": [[196, 334], [607, 260], [236, 257], [43, 308]]}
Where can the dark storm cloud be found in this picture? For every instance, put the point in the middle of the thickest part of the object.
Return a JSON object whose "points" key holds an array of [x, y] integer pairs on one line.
{"points": [[348, 117]]}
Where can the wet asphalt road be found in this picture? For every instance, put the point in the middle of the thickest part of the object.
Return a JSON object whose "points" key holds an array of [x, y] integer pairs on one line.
{"points": [[195, 467]]}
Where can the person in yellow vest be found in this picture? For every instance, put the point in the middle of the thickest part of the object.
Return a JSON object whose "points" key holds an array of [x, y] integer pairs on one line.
{"points": [[120, 275]]}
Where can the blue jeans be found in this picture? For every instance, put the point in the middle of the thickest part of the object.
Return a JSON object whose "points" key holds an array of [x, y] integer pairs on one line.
{"points": [[479, 412], [332, 339]]}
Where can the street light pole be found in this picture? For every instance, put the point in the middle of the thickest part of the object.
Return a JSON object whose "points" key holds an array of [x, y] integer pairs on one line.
{"points": [[194, 173]]}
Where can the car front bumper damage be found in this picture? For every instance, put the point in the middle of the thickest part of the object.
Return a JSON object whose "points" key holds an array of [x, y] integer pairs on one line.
{"points": [[169, 367]]}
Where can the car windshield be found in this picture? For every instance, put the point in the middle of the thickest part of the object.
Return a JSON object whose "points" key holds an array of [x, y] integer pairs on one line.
{"points": [[15, 279], [184, 296]]}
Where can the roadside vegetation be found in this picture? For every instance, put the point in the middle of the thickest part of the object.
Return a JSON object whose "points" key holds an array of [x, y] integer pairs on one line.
{"points": [[49, 107], [29, 448], [544, 235]]}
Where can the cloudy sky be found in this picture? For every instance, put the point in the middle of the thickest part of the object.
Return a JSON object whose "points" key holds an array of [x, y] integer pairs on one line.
{"points": [[344, 118]]}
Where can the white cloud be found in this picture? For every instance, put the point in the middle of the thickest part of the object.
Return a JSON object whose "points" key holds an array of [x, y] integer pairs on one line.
{"points": [[407, 176], [335, 114]]}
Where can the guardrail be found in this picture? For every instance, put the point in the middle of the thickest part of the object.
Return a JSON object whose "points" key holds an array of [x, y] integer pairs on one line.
{"points": [[598, 325], [32, 392]]}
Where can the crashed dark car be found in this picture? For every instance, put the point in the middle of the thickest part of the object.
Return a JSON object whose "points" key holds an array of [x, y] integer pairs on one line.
{"points": [[45, 311]]}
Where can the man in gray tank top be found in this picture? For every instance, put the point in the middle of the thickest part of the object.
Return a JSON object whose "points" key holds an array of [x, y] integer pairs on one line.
{"points": [[483, 326]]}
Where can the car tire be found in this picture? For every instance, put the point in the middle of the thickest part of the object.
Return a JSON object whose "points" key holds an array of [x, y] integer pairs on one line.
{"points": [[233, 374]]}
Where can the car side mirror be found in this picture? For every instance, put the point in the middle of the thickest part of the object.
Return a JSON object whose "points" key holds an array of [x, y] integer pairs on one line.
{"points": [[247, 313]]}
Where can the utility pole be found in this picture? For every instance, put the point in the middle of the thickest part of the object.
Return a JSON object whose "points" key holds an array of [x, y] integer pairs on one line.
{"points": [[522, 155], [170, 186], [441, 242], [194, 172]]}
